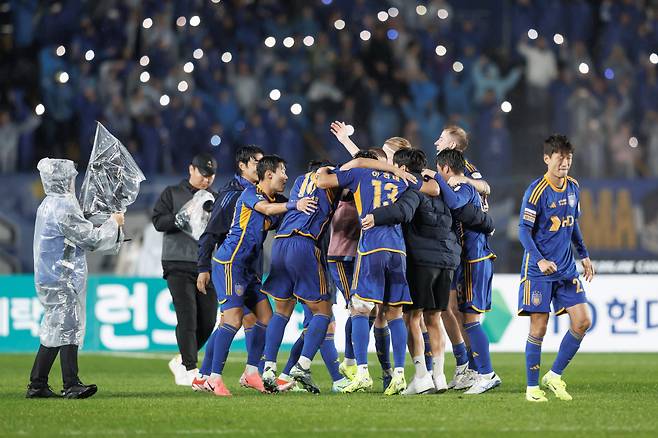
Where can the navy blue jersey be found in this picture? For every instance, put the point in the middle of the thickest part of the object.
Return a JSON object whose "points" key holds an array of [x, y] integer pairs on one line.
{"points": [[551, 213], [372, 189], [244, 241], [309, 225]]}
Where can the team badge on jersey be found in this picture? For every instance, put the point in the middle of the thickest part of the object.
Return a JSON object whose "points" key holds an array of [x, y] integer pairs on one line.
{"points": [[239, 290], [536, 298], [571, 198]]}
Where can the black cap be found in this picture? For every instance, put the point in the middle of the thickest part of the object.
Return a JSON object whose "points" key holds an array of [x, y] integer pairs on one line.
{"points": [[206, 164]]}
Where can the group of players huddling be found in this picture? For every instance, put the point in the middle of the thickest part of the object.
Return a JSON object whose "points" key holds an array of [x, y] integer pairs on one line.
{"points": [[407, 246]]}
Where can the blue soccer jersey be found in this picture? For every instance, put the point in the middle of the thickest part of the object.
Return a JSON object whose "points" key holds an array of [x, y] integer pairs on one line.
{"points": [[309, 225], [475, 245], [372, 189], [550, 213], [244, 241]]}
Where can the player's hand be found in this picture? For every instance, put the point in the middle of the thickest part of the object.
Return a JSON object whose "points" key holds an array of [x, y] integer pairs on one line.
{"points": [[588, 269], [368, 222], [428, 172], [339, 129], [202, 281], [307, 205], [118, 217], [547, 267], [485, 203], [405, 176], [456, 180]]}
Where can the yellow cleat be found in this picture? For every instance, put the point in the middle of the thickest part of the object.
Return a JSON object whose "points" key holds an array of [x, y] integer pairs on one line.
{"points": [[535, 395], [397, 386], [348, 371], [361, 382], [557, 385]]}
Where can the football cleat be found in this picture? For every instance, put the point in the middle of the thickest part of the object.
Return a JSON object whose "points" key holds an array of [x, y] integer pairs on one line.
{"points": [[467, 380], [460, 370], [270, 380], [535, 395], [186, 377], [303, 377], [218, 387], [440, 384], [484, 384], [252, 380], [361, 382], [411, 388], [348, 371], [79, 390], [341, 384], [386, 379], [287, 383], [199, 384], [398, 384], [40, 392], [557, 385]]}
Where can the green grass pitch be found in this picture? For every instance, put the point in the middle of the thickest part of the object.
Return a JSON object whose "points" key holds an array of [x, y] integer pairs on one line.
{"points": [[614, 394]]}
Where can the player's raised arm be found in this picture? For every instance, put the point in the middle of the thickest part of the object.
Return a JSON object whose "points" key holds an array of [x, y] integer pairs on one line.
{"points": [[480, 185], [340, 130]]}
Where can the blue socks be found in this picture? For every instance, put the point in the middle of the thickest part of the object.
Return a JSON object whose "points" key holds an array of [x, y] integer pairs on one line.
{"points": [[383, 346], [461, 355], [330, 356], [207, 357], [258, 343], [533, 359], [471, 361], [317, 330], [398, 334], [360, 338], [428, 351], [223, 339], [295, 352], [568, 348], [479, 347], [275, 330], [349, 349]]}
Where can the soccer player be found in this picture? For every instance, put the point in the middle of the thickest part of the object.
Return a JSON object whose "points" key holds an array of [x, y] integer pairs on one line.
{"points": [[236, 283], [454, 137], [433, 254], [379, 276], [547, 229], [476, 271], [298, 273], [246, 161]]}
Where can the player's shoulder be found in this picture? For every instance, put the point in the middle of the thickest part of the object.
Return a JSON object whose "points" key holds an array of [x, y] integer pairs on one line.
{"points": [[472, 170], [536, 189], [573, 181]]}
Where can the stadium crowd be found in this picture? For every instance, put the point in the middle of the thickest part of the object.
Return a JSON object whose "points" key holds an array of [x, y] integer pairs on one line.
{"points": [[175, 78]]}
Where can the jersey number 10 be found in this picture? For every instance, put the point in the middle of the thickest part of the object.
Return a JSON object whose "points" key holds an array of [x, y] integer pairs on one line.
{"points": [[390, 192]]}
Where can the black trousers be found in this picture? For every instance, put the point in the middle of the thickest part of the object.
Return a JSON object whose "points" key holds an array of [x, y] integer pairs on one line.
{"points": [[43, 363], [196, 314]]}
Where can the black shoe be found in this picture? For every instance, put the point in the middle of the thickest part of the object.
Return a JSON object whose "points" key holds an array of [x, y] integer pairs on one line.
{"points": [[40, 392], [79, 390]]}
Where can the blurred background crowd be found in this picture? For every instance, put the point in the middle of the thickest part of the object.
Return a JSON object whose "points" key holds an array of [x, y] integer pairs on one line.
{"points": [[173, 78]]}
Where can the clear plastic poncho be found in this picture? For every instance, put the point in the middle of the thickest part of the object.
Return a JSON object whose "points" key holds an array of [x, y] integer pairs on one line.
{"points": [[61, 237], [194, 215], [112, 179]]}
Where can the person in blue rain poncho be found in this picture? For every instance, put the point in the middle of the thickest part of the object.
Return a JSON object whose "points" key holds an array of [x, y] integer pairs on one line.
{"points": [[61, 237]]}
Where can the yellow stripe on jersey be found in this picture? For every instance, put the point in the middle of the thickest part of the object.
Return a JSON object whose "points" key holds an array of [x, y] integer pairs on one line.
{"points": [[245, 215], [321, 273], [573, 180], [302, 189], [357, 199], [525, 267], [381, 249], [536, 193]]}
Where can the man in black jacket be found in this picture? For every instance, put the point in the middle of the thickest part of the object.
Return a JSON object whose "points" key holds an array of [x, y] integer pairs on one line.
{"points": [[246, 161], [196, 310], [433, 254]]}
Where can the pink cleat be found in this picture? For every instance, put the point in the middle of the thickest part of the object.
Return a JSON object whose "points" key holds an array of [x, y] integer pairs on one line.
{"points": [[284, 385], [199, 384], [216, 385], [252, 380]]}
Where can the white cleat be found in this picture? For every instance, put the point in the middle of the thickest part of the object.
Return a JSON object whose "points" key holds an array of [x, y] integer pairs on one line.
{"points": [[467, 379], [460, 370], [185, 377], [440, 384], [411, 388], [341, 384], [175, 364], [421, 385], [484, 384]]}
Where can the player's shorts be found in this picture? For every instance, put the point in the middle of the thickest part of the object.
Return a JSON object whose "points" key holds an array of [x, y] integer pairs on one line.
{"points": [[297, 270], [236, 287], [536, 296], [429, 287], [474, 286], [342, 270], [380, 277]]}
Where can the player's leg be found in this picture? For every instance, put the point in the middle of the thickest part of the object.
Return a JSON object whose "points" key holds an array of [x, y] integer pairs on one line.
{"points": [[437, 343], [427, 348], [478, 300], [570, 296], [261, 308], [382, 335], [412, 318], [341, 273], [331, 361], [313, 338], [273, 339], [43, 362]]}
